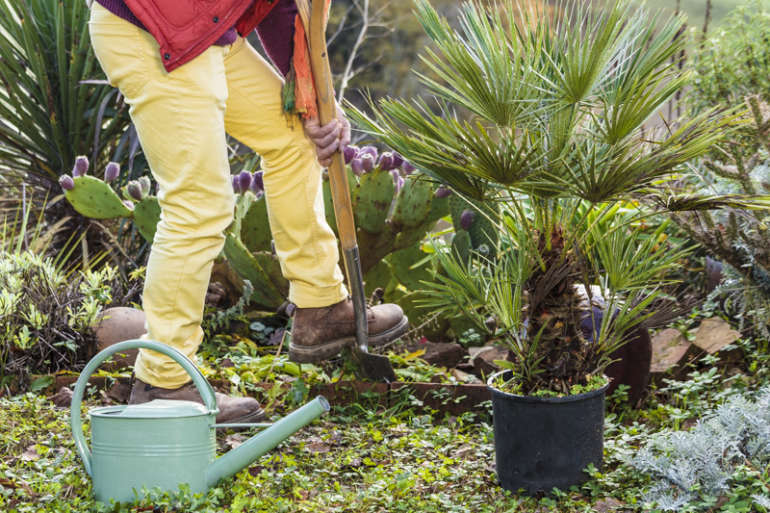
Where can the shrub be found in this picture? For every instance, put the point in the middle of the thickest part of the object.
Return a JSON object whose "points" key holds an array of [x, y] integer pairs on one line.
{"points": [[46, 315], [731, 68], [704, 462]]}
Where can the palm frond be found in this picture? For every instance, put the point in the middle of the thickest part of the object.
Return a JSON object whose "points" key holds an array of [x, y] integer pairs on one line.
{"points": [[690, 202]]}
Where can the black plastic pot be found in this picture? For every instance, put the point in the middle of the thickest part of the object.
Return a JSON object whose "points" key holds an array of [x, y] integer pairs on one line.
{"points": [[546, 442]]}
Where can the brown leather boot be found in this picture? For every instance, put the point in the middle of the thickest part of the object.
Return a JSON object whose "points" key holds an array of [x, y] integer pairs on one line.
{"points": [[320, 333], [231, 409]]}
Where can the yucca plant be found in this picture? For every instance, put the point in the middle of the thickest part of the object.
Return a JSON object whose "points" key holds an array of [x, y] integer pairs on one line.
{"points": [[551, 114], [49, 115], [54, 103]]}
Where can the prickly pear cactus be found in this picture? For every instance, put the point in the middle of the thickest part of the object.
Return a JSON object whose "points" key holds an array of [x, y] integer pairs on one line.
{"points": [[146, 216], [372, 198], [248, 244], [474, 229], [394, 207], [259, 268], [255, 228], [414, 202], [94, 198]]}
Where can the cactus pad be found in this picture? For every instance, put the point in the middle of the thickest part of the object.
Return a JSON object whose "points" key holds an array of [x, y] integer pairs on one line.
{"points": [[146, 217], [94, 198], [253, 268], [255, 228], [371, 200], [413, 204]]}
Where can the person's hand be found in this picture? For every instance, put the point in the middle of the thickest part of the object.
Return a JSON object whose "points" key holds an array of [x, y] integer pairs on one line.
{"points": [[333, 136]]}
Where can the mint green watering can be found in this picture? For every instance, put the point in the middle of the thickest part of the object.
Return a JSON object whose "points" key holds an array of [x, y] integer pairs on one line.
{"points": [[167, 443]]}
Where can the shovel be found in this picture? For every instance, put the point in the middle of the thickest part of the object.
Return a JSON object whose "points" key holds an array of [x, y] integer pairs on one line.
{"points": [[375, 367]]}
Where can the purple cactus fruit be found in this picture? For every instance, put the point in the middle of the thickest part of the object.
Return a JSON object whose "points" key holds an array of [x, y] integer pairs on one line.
{"points": [[66, 182], [257, 184], [128, 204], [442, 191], [244, 179], [386, 161], [398, 180], [367, 161], [236, 184], [371, 150], [407, 168], [397, 159], [466, 219], [81, 166], [350, 152], [144, 184], [357, 166], [111, 172], [399, 183], [134, 190]]}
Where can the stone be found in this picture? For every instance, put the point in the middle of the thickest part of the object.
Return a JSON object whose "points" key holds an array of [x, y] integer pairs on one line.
{"points": [[607, 505], [669, 348], [714, 334], [118, 324], [484, 361], [441, 354], [464, 377], [62, 398]]}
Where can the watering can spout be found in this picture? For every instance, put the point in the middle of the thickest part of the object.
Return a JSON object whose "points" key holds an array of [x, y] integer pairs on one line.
{"points": [[256, 446]]}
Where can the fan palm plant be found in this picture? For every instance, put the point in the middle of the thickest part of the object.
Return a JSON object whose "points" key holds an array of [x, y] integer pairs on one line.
{"points": [[550, 114]]}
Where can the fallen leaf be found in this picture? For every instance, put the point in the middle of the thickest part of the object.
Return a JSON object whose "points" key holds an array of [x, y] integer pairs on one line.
{"points": [[30, 454], [606, 505], [317, 447]]}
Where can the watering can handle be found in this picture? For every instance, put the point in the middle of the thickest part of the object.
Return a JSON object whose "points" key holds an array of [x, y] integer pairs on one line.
{"points": [[207, 393]]}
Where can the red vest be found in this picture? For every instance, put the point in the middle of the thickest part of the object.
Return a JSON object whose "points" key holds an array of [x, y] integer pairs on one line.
{"points": [[186, 28]]}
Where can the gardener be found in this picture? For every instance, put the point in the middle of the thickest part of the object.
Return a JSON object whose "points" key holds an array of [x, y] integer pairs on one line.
{"points": [[189, 76]]}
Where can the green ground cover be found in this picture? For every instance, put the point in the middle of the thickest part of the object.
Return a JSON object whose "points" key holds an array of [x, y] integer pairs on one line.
{"points": [[363, 459]]}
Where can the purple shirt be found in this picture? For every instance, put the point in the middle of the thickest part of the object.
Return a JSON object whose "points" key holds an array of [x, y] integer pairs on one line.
{"points": [[276, 31]]}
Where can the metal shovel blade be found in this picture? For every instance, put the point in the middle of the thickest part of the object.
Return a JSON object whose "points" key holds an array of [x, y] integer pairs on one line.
{"points": [[375, 367]]}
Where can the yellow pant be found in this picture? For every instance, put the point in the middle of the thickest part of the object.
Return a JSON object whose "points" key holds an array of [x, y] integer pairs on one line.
{"points": [[181, 118]]}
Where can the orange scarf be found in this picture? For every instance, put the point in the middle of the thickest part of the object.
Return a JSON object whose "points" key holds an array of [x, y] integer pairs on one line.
{"points": [[298, 93]]}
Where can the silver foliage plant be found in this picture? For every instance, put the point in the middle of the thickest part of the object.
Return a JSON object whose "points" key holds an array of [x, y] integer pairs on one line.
{"points": [[691, 465]]}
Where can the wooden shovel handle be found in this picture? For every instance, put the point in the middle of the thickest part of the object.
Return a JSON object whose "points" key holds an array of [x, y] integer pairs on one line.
{"points": [[327, 111]]}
